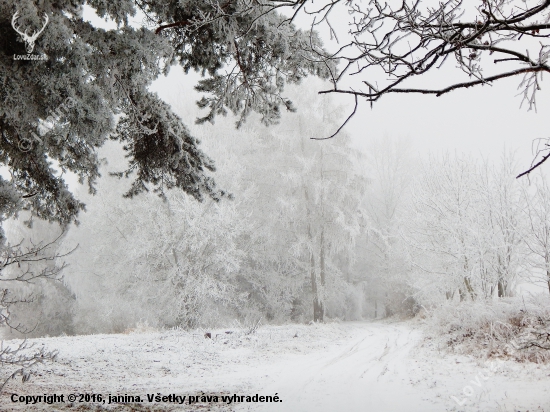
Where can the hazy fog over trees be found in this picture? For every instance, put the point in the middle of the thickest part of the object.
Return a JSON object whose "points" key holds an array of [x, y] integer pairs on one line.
{"points": [[117, 211], [310, 230]]}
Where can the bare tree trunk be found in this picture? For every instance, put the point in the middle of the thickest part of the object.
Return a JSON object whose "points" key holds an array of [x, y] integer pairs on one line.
{"points": [[469, 288], [501, 288], [318, 309], [317, 304], [321, 287], [501, 282], [316, 286]]}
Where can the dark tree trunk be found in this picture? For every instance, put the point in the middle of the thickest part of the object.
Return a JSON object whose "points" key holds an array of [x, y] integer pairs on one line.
{"points": [[317, 306]]}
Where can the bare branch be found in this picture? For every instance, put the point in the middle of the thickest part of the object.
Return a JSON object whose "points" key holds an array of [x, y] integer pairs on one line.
{"points": [[544, 159], [342, 126]]}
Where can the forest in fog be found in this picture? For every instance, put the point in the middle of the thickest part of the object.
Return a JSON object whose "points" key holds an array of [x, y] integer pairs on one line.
{"points": [[325, 203], [308, 231]]}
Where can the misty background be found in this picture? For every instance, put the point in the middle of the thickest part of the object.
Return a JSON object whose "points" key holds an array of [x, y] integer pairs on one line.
{"points": [[412, 205]]}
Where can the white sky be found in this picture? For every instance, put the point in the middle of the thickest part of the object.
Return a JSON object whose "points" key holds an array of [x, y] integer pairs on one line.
{"points": [[483, 121]]}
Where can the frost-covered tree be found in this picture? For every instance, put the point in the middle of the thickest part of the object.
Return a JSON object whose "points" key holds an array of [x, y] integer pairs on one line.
{"points": [[168, 262], [60, 110], [537, 213], [320, 189], [307, 211], [188, 263], [500, 217], [442, 227], [66, 87], [384, 255], [468, 228]]}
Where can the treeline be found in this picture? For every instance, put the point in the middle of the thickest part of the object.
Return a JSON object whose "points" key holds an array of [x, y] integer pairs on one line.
{"points": [[462, 229], [311, 230], [280, 247]]}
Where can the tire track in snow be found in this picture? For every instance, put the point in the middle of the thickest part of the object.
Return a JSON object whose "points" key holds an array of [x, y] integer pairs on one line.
{"points": [[366, 375]]}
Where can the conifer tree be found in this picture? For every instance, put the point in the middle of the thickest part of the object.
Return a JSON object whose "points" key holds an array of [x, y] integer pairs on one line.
{"points": [[58, 107], [67, 86]]}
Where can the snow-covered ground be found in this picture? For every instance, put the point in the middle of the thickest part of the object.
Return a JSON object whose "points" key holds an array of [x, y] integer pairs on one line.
{"points": [[358, 366]]}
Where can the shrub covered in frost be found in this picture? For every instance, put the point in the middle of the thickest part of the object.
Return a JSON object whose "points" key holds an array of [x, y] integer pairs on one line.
{"points": [[512, 328]]}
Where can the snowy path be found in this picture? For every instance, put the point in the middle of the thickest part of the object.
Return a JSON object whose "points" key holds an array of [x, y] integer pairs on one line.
{"points": [[351, 367], [366, 375], [380, 371]]}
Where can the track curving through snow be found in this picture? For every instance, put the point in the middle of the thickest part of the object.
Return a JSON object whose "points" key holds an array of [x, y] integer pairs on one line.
{"points": [[349, 367], [368, 374], [391, 367]]}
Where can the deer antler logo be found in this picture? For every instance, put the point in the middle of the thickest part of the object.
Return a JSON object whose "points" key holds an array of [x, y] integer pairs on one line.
{"points": [[29, 40]]}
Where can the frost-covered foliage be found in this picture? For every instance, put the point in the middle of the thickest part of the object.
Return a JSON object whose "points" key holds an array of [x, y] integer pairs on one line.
{"points": [[60, 110], [505, 328], [175, 269], [382, 254], [467, 229], [167, 263], [310, 201], [457, 229], [30, 274], [285, 240], [92, 85]]}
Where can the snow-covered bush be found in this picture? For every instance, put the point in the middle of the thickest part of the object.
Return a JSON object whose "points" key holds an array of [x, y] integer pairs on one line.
{"points": [[43, 305], [509, 328], [47, 309], [27, 267], [174, 268]]}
